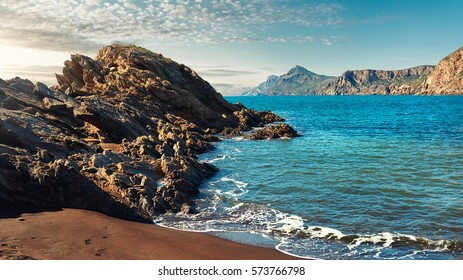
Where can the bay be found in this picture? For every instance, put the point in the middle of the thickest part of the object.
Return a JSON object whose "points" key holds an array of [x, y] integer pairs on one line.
{"points": [[371, 177]]}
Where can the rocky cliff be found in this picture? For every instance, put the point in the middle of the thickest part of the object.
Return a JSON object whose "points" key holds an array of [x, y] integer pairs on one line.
{"points": [[119, 134], [445, 78], [376, 81]]}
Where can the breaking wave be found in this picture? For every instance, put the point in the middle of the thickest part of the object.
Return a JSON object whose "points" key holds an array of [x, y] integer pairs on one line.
{"points": [[293, 235]]}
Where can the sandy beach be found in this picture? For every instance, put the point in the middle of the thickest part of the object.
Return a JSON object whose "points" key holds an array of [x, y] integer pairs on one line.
{"points": [[73, 234]]}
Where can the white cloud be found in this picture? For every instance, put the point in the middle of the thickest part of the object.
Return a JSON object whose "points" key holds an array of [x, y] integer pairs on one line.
{"points": [[89, 24], [309, 38], [221, 72], [334, 39], [327, 42]]}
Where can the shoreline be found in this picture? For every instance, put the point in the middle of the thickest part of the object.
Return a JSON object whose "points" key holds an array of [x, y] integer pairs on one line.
{"points": [[74, 234]]}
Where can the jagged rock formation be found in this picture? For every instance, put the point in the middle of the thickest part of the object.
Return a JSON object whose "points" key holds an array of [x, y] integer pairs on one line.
{"points": [[119, 134], [445, 78]]}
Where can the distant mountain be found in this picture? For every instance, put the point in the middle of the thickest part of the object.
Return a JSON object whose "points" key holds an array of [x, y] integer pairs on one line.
{"points": [[298, 81], [263, 88], [369, 81], [445, 78]]}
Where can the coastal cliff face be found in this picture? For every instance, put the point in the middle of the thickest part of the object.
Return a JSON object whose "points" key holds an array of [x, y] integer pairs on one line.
{"points": [[119, 134], [445, 78], [376, 81]]}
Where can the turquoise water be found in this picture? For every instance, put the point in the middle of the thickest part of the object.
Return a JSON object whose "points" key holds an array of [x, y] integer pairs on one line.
{"points": [[372, 177]]}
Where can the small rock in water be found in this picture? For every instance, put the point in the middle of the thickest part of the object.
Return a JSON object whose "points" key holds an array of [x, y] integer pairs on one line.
{"points": [[272, 132]]}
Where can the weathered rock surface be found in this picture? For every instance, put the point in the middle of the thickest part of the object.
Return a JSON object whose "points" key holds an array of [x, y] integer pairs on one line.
{"points": [[119, 134], [445, 78], [369, 81], [272, 132]]}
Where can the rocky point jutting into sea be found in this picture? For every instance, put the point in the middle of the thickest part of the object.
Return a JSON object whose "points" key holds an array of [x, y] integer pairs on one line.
{"points": [[119, 134]]}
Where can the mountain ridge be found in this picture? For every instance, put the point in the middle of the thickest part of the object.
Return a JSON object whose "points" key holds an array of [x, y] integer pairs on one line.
{"points": [[298, 80], [444, 78]]}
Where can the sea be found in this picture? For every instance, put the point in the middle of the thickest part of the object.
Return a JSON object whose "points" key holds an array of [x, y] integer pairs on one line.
{"points": [[371, 177]]}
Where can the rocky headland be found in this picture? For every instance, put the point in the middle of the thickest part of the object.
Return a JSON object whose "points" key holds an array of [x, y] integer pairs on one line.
{"points": [[444, 78], [365, 82], [118, 134], [447, 77]]}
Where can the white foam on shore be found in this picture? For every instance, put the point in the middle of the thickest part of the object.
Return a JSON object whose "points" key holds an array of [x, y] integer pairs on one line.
{"points": [[277, 247], [323, 232], [183, 229], [209, 231], [285, 223], [222, 211], [386, 238], [289, 230]]}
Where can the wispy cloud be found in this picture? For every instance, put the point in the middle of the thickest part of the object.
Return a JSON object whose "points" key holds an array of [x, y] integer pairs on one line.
{"points": [[88, 24], [224, 72], [334, 39], [230, 89]]}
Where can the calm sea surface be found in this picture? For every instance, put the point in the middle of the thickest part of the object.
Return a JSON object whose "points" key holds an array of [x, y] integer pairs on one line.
{"points": [[372, 177]]}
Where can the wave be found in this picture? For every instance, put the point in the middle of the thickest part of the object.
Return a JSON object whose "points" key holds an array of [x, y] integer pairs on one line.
{"points": [[223, 208], [239, 184], [383, 239], [292, 233], [216, 159]]}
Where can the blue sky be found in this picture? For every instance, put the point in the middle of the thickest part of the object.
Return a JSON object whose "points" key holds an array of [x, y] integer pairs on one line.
{"points": [[232, 44]]}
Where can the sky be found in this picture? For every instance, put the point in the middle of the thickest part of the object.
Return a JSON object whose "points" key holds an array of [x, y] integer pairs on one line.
{"points": [[233, 44]]}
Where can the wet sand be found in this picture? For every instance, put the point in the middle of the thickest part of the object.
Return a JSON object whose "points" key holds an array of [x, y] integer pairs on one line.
{"points": [[73, 234]]}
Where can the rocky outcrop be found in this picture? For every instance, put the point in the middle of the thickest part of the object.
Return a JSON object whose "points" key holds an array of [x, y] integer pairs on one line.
{"points": [[445, 78], [376, 81], [119, 134], [272, 132]]}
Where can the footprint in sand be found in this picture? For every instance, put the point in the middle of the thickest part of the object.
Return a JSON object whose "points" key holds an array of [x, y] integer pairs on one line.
{"points": [[88, 241], [100, 252]]}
